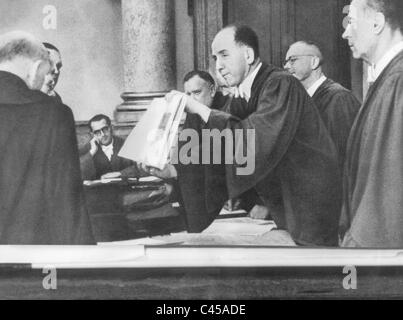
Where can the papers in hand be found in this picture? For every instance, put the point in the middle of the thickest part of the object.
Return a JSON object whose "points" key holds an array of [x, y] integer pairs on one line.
{"points": [[151, 140]]}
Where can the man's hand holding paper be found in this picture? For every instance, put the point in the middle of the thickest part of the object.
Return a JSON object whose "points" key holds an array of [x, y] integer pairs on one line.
{"points": [[191, 106]]}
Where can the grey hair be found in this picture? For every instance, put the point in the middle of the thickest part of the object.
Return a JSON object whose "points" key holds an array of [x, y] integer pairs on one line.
{"points": [[21, 44]]}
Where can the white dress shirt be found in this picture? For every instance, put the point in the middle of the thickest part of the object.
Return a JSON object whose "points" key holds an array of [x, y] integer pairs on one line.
{"points": [[245, 87], [376, 69], [312, 89], [108, 150]]}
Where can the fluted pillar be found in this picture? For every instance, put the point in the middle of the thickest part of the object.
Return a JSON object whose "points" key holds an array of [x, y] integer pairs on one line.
{"points": [[148, 55]]}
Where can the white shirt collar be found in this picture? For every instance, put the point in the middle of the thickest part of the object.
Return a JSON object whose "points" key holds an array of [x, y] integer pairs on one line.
{"points": [[245, 87], [312, 89], [108, 150], [376, 69]]}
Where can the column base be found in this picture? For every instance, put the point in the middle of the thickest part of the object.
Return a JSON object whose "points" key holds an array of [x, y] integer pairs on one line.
{"points": [[134, 106]]}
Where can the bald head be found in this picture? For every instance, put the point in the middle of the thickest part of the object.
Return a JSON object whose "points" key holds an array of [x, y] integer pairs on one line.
{"points": [[304, 60], [235, 50], [23, 55]]}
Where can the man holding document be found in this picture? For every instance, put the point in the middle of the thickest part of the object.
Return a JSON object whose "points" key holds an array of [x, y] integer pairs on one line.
{"points": [[295, 171]]}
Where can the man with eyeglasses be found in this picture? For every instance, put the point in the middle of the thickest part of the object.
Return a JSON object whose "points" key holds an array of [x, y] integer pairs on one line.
{"points": [[336, 105], [102, 160]]}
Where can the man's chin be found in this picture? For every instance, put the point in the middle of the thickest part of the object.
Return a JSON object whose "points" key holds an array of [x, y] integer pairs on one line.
{"points": [[106, 143]]}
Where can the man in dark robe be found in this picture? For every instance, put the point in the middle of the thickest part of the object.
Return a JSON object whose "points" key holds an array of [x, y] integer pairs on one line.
{"points": [[41, 196], [373, 177], [336, 105], [295, 169]]}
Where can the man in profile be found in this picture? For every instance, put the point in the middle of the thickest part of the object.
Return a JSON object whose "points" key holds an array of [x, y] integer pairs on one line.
{"points": [[336, 105], [296, 169], [52, 78], [41, 196], [373, 179]]}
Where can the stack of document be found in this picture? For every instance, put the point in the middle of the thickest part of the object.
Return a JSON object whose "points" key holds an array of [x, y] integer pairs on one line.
{"points": [[151, 140]]}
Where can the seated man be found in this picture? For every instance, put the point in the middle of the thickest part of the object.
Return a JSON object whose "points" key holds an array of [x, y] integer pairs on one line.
{"points": [[101, 158], [101, 161]]}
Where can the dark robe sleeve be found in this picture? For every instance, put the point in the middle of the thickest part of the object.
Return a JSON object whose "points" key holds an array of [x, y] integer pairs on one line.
{"points": [[201, 188], [64, 191], [274, 123], [87, 167], [339, 118]]}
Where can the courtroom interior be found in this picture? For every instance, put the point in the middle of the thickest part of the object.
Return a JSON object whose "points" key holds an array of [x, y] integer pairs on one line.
{"points": [[304, 78]]}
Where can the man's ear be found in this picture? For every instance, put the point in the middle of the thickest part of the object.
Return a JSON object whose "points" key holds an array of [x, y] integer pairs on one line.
{"points": [[36, 75], [249, 55], [379, 22], [315, 63], [213, 90]]}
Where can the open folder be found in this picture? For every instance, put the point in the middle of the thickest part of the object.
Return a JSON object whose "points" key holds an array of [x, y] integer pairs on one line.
{"points": [[150, 142]]}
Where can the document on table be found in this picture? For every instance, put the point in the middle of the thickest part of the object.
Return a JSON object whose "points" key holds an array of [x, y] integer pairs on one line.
{"points": [[240, 226], [152, 139]]}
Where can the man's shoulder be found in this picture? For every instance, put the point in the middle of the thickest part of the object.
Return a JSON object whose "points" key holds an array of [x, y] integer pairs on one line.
{"points": [[118, 142], [333, 90], [271, 75]]}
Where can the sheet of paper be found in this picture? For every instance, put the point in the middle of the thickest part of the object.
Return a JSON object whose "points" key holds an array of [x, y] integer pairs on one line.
{"points": [[240, 226], [142, 241], [149, 179], [150, 142]]}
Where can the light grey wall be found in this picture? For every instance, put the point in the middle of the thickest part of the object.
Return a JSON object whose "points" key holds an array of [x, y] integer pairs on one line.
{"points": [[89, 36]]}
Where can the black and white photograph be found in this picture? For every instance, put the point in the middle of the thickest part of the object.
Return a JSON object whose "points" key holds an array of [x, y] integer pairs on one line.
{"points": [[201, 153]]}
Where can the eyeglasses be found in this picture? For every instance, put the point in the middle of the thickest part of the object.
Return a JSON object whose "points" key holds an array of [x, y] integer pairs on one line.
{"points": [[291, 60], [103, 130]]}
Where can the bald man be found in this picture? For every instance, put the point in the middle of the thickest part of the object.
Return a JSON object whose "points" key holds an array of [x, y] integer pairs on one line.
{"points": [[336, 105], [41, 195]]}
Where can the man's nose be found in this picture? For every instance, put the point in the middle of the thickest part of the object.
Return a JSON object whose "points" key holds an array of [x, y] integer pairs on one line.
{"points": [[218, 64], [346, 33], [102, 134]]}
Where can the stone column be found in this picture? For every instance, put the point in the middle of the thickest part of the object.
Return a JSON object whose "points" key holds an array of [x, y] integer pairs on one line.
{"points": [[148, 55]]}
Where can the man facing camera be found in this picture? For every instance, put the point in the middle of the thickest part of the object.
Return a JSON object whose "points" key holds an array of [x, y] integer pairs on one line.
{"points": [[52, 77], [101, 161], [41, 195]]}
